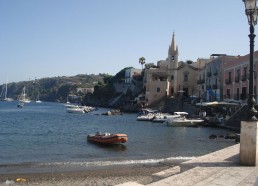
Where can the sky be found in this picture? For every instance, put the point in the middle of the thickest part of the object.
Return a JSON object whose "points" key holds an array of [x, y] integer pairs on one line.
{"points": [[50, 38]]}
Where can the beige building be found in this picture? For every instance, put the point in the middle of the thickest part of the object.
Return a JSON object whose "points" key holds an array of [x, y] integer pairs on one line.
{"points": [[85, 90], [171, 77]]}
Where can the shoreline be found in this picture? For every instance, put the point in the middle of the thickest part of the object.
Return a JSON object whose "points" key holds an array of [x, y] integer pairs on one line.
{"points": [[106, 175]]}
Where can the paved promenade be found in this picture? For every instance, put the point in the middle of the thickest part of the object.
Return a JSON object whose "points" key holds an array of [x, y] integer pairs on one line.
{"points": [[220, 168]]}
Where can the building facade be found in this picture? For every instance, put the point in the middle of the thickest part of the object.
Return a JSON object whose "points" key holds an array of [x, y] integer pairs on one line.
{"points": [[171, 77], [214, 76], [236, 78]]}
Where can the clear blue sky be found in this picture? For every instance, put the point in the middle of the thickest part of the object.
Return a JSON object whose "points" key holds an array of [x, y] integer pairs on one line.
{"points": [[48, 38]]}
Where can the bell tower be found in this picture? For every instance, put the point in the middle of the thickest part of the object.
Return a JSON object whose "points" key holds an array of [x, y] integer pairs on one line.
{"points": [[173, 54], [172, 66]]}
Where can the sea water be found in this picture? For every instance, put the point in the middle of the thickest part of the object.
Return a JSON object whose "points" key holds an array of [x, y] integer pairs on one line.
{"points": [[43, 135]]}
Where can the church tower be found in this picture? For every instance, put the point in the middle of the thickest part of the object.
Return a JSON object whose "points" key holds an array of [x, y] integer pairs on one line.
{"points": [[173, 86], [173, 54]]}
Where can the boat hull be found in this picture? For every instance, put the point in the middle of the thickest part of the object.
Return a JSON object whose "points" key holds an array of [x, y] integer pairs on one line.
{"points": [[75, 110], [110, 139], [185, 122]]}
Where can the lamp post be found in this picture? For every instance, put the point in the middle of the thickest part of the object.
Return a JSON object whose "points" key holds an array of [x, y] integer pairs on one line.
{"points": [[251, 12]]}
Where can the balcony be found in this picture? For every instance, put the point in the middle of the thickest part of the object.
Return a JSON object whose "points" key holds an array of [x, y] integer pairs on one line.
{"points": [[228, 81], [237, 79], [244, 77], [208, 74], [200, 81], [215, 86]]}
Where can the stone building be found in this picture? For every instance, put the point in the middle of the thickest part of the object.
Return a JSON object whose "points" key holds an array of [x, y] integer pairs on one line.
{"points": [[171, 78]]}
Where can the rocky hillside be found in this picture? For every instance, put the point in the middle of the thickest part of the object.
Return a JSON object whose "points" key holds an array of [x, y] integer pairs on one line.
{"points": [[55, 88], [109, 91]]}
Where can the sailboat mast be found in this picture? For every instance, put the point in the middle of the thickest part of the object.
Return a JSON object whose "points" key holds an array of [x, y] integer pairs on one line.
{"points": [[5, 96]]}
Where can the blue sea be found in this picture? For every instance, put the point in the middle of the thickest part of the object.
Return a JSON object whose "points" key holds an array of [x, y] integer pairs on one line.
{"points": [[43, 136]]}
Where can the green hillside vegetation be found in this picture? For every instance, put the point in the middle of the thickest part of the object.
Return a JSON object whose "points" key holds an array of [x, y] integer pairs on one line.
{"points": [[104, 91], [59, 88], [55, 88]]}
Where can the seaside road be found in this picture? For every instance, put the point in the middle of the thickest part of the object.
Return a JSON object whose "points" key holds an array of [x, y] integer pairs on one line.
{"points": [[220, 168]]}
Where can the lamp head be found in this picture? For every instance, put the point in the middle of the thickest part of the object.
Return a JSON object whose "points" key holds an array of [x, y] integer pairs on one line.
{"points": [[251, 11]]}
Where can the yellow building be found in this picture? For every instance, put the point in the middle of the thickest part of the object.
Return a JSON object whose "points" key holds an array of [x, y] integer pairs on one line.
{"points": [[171, 77]]}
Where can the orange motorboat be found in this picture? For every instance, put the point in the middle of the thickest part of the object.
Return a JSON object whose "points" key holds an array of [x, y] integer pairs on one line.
{"points": [[107, 138]]}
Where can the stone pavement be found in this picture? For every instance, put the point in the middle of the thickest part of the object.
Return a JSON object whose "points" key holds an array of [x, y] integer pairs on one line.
{"points": [[220, 168]]}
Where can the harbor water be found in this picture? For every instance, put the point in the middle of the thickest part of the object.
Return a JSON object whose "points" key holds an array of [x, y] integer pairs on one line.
{"points": [[41, 136]]}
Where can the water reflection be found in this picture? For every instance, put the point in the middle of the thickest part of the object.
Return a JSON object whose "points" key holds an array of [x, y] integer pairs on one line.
{"points": [[111, 147]]}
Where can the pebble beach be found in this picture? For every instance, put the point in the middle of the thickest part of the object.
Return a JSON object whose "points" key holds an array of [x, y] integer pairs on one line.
{"points": [[111, 175]]}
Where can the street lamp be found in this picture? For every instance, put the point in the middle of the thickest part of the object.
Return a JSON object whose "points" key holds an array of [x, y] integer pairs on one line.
{"points": [[251, 12]]}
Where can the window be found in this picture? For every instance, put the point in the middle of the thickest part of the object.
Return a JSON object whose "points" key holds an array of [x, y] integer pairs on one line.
{"points": [[245, 71], [228, 93], [172, 77], [238, 73], [186, 73], [158, 89], [238, 94], [229, 76], [185, 77]]}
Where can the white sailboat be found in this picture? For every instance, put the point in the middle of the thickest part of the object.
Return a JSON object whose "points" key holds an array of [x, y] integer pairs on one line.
{"points": [[3, 95], [23, 98], [38, 100]]}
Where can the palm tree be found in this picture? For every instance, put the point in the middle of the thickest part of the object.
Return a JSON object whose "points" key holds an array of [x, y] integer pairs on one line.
{"points": [[142, 61]]}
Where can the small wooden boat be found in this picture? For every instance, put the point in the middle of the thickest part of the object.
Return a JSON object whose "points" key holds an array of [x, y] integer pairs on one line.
{"points": [[107, 138]]}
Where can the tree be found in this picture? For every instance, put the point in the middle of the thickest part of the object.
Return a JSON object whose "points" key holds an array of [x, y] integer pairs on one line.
{"points": [[142, 61]]}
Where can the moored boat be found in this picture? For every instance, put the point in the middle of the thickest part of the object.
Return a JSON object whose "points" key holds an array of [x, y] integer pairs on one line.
{"points": [[23, 97], [107, 138], [163, 117], [146, 115], [3, 95], [185, 122], [75, 110]]}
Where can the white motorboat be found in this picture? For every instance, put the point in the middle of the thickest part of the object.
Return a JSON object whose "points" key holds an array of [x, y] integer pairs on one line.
{"points": [[170, 118], [184, 122], [146, 117], [78, 109], [69, 105], [75, 110], [162, 117]]}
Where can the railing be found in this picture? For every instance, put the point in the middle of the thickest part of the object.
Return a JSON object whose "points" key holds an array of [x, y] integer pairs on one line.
{"points": [[200, 81], [228, 81], [208, 74], [244, 77], [237, 96], [237, 79]]}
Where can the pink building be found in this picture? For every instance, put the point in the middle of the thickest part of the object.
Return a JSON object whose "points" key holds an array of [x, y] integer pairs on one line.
{"points": [[236, 78]]}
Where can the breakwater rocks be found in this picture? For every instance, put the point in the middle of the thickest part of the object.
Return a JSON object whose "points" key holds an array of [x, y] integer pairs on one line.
{"points": [[236, 137]]}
